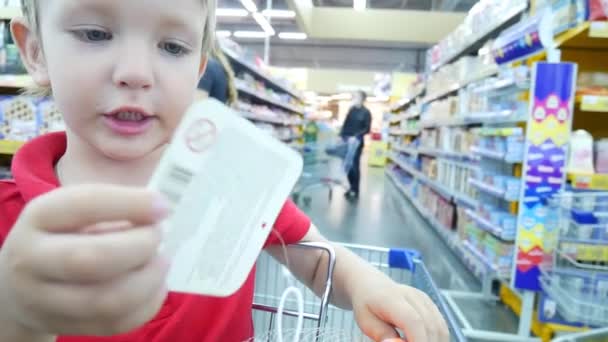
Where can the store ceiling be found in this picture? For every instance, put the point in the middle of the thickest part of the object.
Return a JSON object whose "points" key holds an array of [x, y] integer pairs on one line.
{"points": [[340, 37]]}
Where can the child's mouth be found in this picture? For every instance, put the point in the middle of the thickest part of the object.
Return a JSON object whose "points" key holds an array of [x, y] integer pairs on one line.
{"points": [[128, 122]]}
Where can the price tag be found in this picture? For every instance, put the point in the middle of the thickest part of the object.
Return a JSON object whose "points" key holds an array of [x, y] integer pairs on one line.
{"points": [[593, 103], [598, 29]]}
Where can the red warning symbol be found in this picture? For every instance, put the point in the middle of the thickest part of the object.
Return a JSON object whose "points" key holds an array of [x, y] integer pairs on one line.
{"points": [[200, 135]]}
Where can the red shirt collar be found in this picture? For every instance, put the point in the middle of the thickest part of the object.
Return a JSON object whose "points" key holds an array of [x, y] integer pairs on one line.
{"points": [[33, 166]]}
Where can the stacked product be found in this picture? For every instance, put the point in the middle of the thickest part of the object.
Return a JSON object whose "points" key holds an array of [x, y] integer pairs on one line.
{"points": [[247, 81], [441, 111], [263, 112], [23, 118], [510, 148], [474, 27]]}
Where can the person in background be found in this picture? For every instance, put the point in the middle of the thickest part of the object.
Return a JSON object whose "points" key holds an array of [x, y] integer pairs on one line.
{"points": [[356, 125], [218, 80]]}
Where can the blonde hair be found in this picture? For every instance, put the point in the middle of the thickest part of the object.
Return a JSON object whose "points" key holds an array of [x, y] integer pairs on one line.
{"points": [[218, 54], [30, 12]]}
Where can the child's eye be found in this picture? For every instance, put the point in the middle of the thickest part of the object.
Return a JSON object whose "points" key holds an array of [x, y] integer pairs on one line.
{"points": [[174, 49], [93, 35]]}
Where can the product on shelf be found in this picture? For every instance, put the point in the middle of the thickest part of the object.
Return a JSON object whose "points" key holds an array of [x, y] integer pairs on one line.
{"points": [[581, 153], [23, 118], [598, 10], [592, 83], [475, 25]]}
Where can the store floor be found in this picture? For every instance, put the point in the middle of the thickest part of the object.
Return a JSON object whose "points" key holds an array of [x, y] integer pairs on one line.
{"points": [[383, 217]]}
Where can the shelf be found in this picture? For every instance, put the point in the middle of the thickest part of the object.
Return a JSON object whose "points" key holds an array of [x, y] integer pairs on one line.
{"points": [[489, 267], [407, 168], [489, 227], [409, 150], [435, 97], [267, 99], [8, 13], [272, 83], [433, 152], [15, 81], [450, 238], [593, 103], [491, 190], [497, 117], [276, 121], [399, 118], [9, 147], [502, 132], [491, 154], [502, 23], [589, 181], [399, 131], [588, 36], [498, 85], [456, 87], [406, 101]]}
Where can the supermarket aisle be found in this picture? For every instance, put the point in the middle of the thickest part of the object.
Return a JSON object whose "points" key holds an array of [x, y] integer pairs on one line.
{"points": [[383, 217]]}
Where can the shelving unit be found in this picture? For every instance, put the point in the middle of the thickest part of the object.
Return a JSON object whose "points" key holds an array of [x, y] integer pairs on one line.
{"points": [[264, 98], [259, 94], [498, 219], [268, 80], [480, 38]]}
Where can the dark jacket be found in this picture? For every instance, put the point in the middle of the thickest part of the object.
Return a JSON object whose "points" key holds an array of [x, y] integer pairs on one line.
{"points": [[215, 81], [358, 122]]}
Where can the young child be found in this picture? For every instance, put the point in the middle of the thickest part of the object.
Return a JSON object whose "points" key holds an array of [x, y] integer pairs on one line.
{"points": [[79, 233]]}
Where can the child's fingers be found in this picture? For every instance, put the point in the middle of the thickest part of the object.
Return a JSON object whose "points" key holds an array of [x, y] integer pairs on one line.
{"points": [[401, 314], [428, 311], [81, 258], [104, 309], [72, 208], [374, 327], [440, 326]]}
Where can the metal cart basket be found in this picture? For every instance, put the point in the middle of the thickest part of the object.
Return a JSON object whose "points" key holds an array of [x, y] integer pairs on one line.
{"points": [[324, 322], [326, 164]]}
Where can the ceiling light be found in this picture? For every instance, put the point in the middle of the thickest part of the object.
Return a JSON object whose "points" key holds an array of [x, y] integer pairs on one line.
{"points": [[249, 5], [231, 12], [223, 34], [274, 13], [250, 34], [264, 24], [293, 35], [359, 5]]}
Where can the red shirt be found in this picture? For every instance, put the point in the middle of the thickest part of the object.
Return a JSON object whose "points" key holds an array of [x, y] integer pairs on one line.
{"points": [[183, 318]]}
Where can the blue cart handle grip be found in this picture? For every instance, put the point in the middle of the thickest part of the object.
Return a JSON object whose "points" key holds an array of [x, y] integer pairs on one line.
{"points": [[403, 258]]}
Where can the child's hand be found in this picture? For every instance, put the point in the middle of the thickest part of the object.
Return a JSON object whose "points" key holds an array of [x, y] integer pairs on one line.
{"points": [[64, 272], [380, 306]]}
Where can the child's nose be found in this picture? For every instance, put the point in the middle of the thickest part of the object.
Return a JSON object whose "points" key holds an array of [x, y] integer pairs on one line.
{"points": [[133, 71]]}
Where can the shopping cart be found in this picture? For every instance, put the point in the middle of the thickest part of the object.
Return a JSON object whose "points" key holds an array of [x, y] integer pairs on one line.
{"points": [[326, 164], [575, 276], [326, 323]]}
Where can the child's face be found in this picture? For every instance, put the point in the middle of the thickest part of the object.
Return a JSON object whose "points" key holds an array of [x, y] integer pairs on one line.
{"points": [[123, 72]]}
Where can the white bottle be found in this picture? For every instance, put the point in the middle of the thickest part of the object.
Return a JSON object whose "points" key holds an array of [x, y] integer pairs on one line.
{"points": [[581, 153]]}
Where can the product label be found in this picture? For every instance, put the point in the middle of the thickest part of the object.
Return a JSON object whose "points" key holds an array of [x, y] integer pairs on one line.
{"points": [[227, 181]]}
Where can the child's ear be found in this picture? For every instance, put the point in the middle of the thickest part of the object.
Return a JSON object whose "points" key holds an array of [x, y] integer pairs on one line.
{"points": [[30, 47], [203, 66]]}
